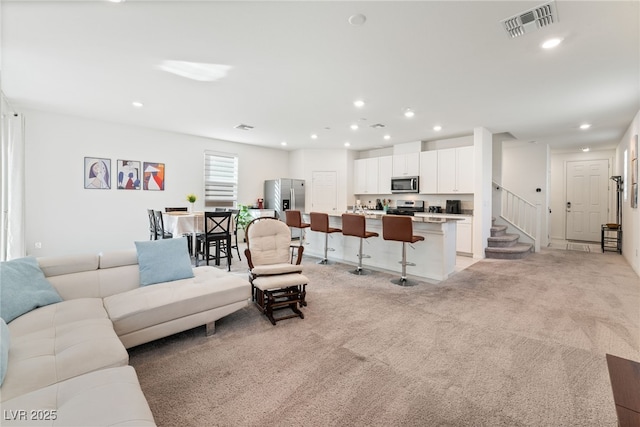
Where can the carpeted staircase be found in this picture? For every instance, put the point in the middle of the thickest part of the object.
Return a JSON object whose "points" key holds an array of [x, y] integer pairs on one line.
{"points": [[505, 246]]}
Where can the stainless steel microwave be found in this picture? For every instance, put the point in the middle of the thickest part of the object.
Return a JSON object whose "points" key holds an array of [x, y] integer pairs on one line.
{"points": [[404, 184]]}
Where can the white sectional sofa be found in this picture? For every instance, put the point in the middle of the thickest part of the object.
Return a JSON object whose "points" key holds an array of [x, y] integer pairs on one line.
{"points": [[67, 361]]}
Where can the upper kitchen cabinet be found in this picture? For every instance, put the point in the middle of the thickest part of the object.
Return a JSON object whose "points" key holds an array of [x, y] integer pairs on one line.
{"points": [[406, 164], [365, 176], [385, 169], [455, 170], [429, 172]]}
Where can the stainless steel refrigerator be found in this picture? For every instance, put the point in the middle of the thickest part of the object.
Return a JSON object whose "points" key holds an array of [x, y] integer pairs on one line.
{"points": [[283, 194]]}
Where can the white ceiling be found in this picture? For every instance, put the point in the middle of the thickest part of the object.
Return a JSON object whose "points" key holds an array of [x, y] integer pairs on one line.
{"points": [[297, 67]]}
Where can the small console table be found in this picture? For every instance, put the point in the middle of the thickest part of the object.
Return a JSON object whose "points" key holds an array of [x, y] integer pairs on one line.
{"points": [[611, 238], [625, 384]]}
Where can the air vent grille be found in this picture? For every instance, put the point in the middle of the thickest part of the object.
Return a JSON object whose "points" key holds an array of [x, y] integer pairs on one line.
{"points": [[530, 20], [377, 126], [244, 127]]}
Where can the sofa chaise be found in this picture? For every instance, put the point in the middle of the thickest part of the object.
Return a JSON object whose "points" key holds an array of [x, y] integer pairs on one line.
{"points": [[67, 362]]}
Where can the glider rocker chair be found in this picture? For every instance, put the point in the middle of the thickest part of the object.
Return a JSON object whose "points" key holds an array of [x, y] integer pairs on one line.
{"points": [[276, 283]]}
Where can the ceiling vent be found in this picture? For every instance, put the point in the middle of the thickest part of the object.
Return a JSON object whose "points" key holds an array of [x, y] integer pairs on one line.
{"points": [[244, 127], [531, 20], [377, 126]]}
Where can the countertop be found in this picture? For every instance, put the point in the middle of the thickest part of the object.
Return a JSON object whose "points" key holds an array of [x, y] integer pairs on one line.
{"points": [[418, 217]]}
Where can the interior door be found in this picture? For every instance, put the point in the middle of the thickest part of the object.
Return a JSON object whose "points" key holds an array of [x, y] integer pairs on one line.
{"points": [[324, 194], [587, 195]]}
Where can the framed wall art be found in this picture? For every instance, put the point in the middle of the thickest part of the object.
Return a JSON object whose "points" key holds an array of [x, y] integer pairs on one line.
{"points": [[97, 173], [153, 176], [129, 174]]}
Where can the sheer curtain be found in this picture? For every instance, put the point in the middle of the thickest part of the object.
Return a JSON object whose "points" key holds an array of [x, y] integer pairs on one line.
{"points": [[12, 177]]}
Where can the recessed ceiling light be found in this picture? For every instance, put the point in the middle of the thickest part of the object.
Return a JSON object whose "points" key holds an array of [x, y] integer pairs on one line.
{"points": [[357, 19], [437, 128], [585, 149], [408, 112], [117, 1], [387, 137], [195, 70], [314, 136], [137, 104], [551, 43], [585, 126], [354, 127], [283, 143], [359, 103], [347, 144]]}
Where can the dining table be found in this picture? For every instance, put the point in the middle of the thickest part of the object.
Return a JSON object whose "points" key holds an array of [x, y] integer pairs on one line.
{"points": [[184, 223]]}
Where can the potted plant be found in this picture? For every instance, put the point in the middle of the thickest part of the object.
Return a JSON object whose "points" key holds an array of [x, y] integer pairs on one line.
{"points": [[191, 198], [244, 217]]}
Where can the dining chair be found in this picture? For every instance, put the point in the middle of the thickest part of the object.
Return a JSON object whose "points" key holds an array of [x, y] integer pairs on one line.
{"points": [[234, 227], [161, 233], [217, 233], [153, 235]]}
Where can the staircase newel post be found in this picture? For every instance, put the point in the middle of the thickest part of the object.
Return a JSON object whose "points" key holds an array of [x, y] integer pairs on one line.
{"points": [[536, 246]]}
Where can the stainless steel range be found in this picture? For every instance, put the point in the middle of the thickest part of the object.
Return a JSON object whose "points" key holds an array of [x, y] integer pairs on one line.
{"points": [[407, 207]]}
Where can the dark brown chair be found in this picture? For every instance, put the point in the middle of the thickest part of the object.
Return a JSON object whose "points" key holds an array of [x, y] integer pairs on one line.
{"points": [[320, 223], [400, 229], [276, 283], [161, 233], [217, 233], [356, 225], [294, 220]]}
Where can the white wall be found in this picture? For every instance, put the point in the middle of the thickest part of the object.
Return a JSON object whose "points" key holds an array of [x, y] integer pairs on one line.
{"points": [[524, 170], [304, 162], [630, 216], [68, 219], [558, 186]]}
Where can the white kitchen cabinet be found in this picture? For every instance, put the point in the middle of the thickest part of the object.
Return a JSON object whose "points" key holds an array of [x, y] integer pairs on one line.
{"points": [[455, 170], [365, 176], [406, 164], [429, 172], [385, 172], [464, 236]]}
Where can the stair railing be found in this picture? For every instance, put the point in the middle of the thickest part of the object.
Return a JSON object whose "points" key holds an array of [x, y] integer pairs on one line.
{"points": [[520, 213]]}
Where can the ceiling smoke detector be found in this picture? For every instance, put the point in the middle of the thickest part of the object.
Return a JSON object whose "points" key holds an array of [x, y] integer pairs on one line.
{"points": [[531, 20], [244, 127]]}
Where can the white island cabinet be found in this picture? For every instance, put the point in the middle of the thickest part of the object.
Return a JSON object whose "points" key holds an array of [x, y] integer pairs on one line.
{"points": [[434, 258]]}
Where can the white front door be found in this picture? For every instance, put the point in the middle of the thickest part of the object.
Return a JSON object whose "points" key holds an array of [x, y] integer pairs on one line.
{"points": [[587, 195], [324, 194]]}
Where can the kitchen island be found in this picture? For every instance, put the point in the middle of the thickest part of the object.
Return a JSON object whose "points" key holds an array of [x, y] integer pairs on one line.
{"points": [[434, 258]]}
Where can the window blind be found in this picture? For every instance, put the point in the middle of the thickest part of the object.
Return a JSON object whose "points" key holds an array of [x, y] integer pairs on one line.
{"points": [[220, 179]]}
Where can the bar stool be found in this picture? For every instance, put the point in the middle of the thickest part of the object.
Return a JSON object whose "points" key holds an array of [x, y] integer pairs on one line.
{"points": [[355, 225], [400, 229], [294, 220], [320, 223]]}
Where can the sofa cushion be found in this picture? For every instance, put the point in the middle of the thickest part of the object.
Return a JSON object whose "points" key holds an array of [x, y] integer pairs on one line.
{"points": [[152, 305], [58, 342], [163, 260], [107, 397], [23, 288], [4, 348]]}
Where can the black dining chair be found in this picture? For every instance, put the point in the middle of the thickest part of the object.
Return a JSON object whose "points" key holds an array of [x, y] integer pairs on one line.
{"points": [[234, 227], [161, 233], [217, 234], [153, 234]]}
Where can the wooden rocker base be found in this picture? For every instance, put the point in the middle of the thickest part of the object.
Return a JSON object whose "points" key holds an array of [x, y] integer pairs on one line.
{"points": [[269, 301]]}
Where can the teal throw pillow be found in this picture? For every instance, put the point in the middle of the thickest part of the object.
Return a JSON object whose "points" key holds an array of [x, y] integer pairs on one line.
{"points": [[23, 288], [4, 349], [163, 260]]}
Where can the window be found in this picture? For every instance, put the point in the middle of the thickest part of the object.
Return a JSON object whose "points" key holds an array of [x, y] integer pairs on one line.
{"points": [[220, 179]]}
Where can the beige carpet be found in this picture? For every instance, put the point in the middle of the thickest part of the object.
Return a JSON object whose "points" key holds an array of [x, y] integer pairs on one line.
{"points": [[502, 343]]}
